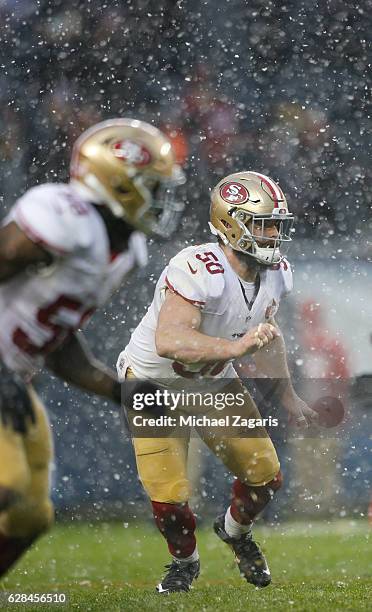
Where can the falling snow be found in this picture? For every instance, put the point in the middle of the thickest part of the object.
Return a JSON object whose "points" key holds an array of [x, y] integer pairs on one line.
{"points": [[280, 87]]}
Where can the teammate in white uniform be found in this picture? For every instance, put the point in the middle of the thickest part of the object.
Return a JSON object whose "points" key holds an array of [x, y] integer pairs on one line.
{"points": [[64, 249], [40, 308], [214, 303]]}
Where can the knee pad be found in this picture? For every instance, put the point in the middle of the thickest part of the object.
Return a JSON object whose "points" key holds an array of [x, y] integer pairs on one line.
{"points": [[253, 460], [262, 466], [14, 479], [169, 492]]}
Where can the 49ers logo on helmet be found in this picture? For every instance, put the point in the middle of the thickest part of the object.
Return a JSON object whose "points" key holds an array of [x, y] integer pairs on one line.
{"points": [[234, 193], [132, 152]]}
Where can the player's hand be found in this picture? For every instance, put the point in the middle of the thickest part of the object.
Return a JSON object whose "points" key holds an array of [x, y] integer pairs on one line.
{"points": [[300, 414], [257, 338], [16, 410]]}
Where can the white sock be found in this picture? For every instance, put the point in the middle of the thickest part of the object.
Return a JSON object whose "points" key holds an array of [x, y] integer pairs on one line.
{"points": [[233, 528], [191, 559]]}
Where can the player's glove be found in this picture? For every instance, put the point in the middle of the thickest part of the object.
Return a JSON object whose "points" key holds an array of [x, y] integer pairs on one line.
{"points": [[16, 408]]}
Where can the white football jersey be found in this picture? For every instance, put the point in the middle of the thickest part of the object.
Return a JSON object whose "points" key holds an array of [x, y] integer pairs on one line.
{"points": [[41, 306], [230, 307]]}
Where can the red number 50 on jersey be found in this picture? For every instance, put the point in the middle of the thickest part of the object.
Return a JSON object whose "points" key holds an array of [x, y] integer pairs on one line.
{"points": [[211, 262]]}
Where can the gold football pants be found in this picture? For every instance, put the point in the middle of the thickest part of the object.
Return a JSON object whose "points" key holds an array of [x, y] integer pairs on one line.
{"points": [[24, 472], [162, 462]]}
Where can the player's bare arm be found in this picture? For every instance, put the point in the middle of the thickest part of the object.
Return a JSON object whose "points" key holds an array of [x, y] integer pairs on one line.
{"points": [[74, 363], [272, 362], [17, 252], [178, 336]]}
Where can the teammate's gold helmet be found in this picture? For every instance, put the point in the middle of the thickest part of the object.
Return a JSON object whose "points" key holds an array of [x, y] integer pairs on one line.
{"points": [[129, 166], [242, 204]]}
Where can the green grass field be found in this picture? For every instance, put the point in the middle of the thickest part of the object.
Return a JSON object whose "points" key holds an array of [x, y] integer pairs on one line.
{"points": [[111, 567]]}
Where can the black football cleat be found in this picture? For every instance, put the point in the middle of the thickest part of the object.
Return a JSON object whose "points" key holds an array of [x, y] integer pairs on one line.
{"points": [[251, 562], [179, 577]]}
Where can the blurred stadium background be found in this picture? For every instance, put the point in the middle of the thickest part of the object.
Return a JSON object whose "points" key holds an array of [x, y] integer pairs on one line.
{"points": [[280, 87]]}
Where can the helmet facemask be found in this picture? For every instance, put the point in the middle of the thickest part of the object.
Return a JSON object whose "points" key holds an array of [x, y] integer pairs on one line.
{"points": [[165, 206], [253, 235]]}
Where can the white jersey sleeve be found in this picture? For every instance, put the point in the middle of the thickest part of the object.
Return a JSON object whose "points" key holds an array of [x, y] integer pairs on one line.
{"points": [[286, 278], [197, 275], [280, 284], [51, 216], [138, 248]]}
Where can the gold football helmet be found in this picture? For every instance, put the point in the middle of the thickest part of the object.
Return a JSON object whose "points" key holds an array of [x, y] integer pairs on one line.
{"points": [[129, 166], [243, 205]]}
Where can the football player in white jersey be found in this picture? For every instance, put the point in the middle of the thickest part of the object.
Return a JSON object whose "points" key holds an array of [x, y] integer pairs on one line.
{"points": [[214, 303], [64, 249]]}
